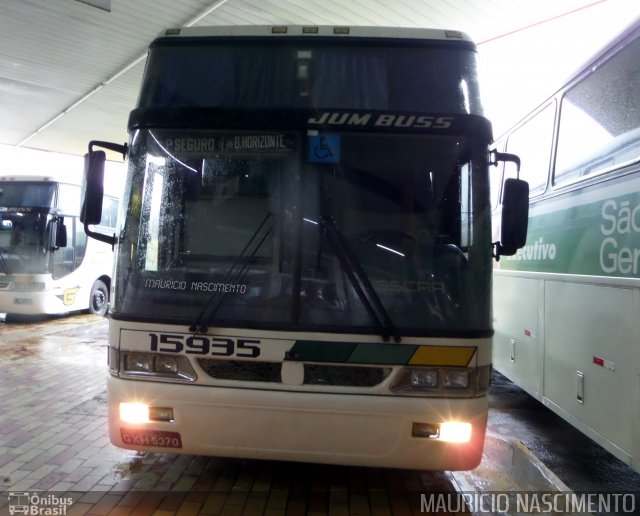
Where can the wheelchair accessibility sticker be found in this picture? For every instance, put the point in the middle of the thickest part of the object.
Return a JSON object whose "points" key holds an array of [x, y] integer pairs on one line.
{"points": [[324, 148]]}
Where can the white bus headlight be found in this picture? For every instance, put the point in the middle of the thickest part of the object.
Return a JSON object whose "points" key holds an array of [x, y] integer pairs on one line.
{"points": [[153, 366], [425, 378], [442, 381], [167, 365], [455, 379], [138, 363], [134, 413], [455, 432]]}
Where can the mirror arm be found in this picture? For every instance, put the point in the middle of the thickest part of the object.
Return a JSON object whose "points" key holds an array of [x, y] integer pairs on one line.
{"points": [[497, 248], [116, 147], [101, 236], [495, 157]]}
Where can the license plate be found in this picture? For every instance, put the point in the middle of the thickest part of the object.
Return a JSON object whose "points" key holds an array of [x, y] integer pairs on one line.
{"points": [[155, 438]]}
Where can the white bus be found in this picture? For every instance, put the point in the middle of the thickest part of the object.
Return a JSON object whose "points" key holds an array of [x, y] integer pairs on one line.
{"points": [[303, 257], [47, 264], [567, 305]]}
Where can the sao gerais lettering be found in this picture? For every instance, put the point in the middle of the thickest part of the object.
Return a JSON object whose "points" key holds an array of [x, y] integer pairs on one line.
{"points": [[619, 219]]}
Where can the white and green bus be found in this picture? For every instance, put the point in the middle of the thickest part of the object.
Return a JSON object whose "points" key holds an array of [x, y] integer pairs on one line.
{"points": [[304, 253], [567, 305], [47, 264]]}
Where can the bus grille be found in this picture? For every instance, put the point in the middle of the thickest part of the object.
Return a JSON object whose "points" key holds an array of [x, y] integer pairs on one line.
{"points": [[314, 374]]}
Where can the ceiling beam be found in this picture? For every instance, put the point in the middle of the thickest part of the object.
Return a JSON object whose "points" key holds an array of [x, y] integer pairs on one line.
{"points": [[205, 12]]}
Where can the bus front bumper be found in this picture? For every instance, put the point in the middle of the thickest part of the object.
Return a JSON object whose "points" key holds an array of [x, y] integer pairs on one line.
{"points": [[346, 429]]}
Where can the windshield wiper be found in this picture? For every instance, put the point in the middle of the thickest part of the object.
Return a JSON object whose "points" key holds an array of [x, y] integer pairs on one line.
{"points": [[237, 270], [3, 264], [360, 281]]}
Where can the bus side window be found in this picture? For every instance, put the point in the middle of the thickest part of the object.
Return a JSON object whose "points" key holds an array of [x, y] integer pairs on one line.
{"points": [[600, 119], [532, 143]]}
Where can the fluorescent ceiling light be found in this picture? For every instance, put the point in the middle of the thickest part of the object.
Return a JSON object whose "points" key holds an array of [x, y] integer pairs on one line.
{"points": [[105, 5]]}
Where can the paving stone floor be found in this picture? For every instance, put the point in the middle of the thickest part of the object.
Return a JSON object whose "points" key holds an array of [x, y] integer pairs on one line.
{"points": [[54, 443]]}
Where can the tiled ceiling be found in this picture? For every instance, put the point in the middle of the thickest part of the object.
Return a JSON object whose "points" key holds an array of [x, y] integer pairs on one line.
{"points": [[70, 72]]}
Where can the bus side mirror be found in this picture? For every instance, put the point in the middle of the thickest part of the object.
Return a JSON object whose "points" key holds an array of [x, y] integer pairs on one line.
{"points": [[61, 234], [92, 191], [58, 234], [92, 187], [515, 217]]}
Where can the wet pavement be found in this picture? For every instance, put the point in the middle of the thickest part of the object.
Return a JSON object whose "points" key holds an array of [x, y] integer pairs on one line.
{"points": [[53, 439], [580, 463]]}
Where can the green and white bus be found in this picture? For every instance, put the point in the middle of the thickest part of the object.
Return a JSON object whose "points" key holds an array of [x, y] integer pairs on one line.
{"points": [[47, 264], [304, 253], [567, 305]]}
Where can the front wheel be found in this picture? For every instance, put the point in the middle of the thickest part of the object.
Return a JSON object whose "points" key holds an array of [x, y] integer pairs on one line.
{"points": [[99, 298]]}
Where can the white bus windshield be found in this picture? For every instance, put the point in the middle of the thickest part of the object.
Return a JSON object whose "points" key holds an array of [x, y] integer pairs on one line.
{"points": [[26, 194], [25, 226], [255, 229]]}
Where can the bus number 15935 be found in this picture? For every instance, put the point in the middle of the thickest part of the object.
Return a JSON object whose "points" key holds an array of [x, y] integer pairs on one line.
{"points": [[203, 345]]}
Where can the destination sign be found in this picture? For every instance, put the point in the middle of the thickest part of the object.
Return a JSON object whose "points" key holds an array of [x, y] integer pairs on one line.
{"points": [[244, 143]]}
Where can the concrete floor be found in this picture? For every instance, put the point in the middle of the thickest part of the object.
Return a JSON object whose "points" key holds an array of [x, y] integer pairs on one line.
{"points": [[53, 438]]}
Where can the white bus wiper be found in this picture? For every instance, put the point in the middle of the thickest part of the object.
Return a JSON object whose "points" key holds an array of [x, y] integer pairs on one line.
{"points": [[237, 270], [3, 264], [360, 281]]}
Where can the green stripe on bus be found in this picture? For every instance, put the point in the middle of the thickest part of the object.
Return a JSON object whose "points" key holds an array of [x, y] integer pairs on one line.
{"points": [[387, 354], [320, 351], [351, 352], [599, 239]]}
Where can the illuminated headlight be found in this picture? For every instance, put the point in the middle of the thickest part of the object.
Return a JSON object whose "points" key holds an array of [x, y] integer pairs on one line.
{"points": [[448, 431], [455, 432], [455, 379], [155, 366], [135, 413], [140, 413]]}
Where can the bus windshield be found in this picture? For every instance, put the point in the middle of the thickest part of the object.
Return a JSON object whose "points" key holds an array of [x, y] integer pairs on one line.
{"points": [[26, 194], [25, 227], [387, 75], [267, 230]]}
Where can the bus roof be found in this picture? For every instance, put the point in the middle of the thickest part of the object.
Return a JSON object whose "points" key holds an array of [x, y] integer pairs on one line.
{"points": [[312, 31], [32, 177]]}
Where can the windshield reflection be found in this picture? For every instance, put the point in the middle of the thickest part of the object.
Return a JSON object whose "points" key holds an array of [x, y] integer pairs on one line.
{"points": [[231, 229]]}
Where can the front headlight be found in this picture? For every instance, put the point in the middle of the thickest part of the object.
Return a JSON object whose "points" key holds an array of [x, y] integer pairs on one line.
{"points": [[455, 379], [442, 381], [154, 366], [425, 378], [138, 363]]}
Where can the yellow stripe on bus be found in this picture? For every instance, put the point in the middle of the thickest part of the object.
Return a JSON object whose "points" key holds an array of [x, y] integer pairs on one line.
{"points": [[443, 355]]}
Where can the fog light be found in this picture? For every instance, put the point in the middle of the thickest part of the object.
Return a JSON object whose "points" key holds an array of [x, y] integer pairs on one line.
{"points": [[161, 414], [135, 413], [424, 430], [424, 378], [455, 432]]}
